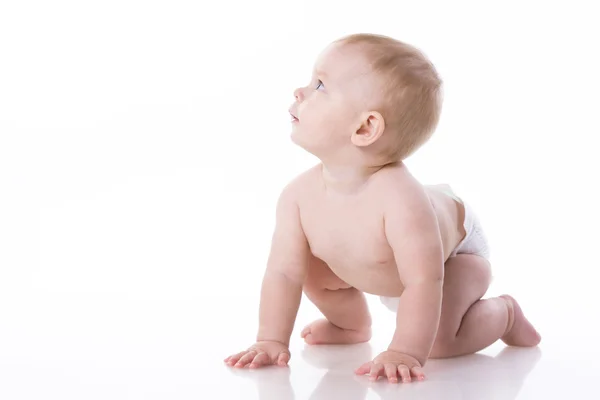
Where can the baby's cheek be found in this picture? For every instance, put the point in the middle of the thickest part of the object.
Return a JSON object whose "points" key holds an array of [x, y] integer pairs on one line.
{"points": [[330, 118]]}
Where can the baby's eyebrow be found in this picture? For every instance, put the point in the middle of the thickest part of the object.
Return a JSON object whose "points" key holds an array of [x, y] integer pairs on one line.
{"points": [[321, 73]]}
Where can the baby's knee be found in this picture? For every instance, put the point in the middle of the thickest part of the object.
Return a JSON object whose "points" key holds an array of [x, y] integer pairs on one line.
{"points": [[445, 341], [443, 346]]}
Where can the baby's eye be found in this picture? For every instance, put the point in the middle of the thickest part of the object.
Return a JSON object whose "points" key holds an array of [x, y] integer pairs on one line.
{"points": [[319, 85]]}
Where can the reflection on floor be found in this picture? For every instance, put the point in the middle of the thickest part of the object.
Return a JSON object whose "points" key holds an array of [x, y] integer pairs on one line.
{"points": [[466, 378]]}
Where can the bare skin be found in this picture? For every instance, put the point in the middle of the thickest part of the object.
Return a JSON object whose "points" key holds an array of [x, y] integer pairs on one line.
{"points": [[353, 225], [350, 256]]}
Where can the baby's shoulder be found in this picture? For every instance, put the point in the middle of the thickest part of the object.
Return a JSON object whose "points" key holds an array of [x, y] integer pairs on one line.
{"points": [[404, 200], [300, 184], [397, 184]]}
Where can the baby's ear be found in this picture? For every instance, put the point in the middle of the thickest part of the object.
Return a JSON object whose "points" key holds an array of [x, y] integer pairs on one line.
{"points": [[370, 129]]}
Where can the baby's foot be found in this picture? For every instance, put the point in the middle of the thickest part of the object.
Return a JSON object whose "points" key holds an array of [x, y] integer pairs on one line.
{"points": [[324, 332], [520, 332]]}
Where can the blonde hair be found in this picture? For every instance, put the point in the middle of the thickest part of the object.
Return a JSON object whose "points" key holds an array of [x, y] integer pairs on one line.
{"points": [[411, 99]]}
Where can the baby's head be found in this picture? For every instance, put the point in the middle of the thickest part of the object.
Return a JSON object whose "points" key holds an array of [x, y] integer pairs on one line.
{"points": [[370, 97]]}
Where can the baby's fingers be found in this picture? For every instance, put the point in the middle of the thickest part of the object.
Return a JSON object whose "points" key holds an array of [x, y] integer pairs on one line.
{"points": [[391, 372], [260, 360], [417, 372], [363, 369], [283, 359], [376, 370], [246, 359], [234, 358], [404, 373]]}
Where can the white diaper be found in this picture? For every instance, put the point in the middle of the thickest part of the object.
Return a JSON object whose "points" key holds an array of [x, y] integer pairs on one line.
{"points": [[474, 242]]}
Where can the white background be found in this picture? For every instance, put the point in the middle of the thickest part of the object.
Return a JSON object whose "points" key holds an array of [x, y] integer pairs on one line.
{"points": [[143, 145]]}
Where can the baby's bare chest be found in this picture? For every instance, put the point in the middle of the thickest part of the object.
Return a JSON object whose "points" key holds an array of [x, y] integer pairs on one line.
{"points": [[351, 241], [346, 240]]}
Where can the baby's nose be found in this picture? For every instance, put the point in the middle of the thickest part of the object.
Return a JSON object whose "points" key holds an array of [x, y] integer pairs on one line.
{"points": [[298, 94]]}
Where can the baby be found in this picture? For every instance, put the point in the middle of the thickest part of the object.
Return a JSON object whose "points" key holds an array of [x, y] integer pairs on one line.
{"points": [[359, 222]]}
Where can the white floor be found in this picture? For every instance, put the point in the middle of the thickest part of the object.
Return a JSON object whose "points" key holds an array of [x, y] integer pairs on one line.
{"points": [[155, 346]]}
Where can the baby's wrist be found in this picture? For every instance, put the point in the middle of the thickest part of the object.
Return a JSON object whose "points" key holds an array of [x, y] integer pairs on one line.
{"points": [[404, 350], [273, 339]]}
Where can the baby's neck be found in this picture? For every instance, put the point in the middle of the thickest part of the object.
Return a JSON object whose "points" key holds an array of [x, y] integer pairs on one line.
{"points": [[348, 179]]}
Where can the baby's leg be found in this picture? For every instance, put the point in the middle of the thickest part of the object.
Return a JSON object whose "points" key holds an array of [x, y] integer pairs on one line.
{"points": [[469, 324], [344, 307]]}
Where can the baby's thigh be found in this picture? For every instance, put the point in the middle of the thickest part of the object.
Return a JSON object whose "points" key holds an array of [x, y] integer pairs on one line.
{"points": [[467, 278], [320, 276]]}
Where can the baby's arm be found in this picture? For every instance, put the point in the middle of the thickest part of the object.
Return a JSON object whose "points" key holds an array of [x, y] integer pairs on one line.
{"points": [[285, 274], [413, 233], [281, 288]]}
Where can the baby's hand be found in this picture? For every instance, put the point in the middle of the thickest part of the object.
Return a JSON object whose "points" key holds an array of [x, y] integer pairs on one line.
{"points": [[392, 364], [261, 354]]}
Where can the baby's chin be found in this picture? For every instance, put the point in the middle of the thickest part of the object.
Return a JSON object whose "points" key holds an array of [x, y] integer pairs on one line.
{"points": [[299, 140], [313, 142], [297, 136]]}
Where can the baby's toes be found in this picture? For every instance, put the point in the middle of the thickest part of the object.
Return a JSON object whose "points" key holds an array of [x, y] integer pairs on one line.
{"points": [[310, 339], [305, 331]]}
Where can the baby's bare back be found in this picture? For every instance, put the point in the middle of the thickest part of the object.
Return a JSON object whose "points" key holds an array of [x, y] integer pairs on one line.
{"points": [[346, 231]]}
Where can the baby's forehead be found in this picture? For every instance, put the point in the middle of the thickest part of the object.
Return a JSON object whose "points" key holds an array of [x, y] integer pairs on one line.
{"points": [[343, 62]]}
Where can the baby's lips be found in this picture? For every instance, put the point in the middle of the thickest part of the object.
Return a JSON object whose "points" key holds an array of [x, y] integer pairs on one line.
{"points": [[293, 113]]}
